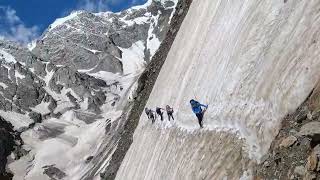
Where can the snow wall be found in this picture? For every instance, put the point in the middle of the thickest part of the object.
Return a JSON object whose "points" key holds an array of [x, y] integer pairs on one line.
{"points": [[253, 62]]}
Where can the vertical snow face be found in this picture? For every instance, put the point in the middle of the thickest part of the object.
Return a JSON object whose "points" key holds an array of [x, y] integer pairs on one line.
{"points": [[251, 61]]}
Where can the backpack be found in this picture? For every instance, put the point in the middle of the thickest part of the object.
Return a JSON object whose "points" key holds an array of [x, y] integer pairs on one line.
{"points": [[169, 109], [196, 107]]}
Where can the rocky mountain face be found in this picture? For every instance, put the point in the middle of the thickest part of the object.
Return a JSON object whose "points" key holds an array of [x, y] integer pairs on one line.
{"points": [[38, 89], [295, 152], [6, 143], [93, 42], [71, 91]]}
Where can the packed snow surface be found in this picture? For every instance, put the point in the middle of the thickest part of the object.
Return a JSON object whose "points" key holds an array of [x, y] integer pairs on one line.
{"points": [[7, 57], [253, 62], [17, 120]]}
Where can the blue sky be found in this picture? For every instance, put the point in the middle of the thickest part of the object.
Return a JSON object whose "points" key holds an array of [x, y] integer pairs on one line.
{"points": [[25, 20]]}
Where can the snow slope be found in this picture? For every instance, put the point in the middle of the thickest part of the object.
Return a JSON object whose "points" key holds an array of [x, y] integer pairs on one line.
{"points": [[7, 57], [252, 62]]}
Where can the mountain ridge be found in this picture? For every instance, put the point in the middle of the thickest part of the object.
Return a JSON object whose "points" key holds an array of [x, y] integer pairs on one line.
{"points": [[72, 82]]}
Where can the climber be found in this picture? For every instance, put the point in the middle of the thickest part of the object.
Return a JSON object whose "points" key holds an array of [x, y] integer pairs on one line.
{"points": [[169, 112], [159, 112], [147, 111], [152, 115], [196, 108]]}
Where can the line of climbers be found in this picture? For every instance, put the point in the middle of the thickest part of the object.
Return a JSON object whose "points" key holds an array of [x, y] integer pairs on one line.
{"points": [[159, 112], [195, 106]]}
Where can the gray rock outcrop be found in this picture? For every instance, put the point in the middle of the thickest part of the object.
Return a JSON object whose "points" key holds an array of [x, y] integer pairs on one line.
{"points": [[311, 129]]}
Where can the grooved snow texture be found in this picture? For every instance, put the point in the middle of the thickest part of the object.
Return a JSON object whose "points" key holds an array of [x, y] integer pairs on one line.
{"points": [[252, 62]]}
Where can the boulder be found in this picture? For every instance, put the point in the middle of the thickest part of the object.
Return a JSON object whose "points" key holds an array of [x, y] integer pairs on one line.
{"points": [[310, 176], [88, 159], [312, 130], [312, 162], [302, 114], [299, 170], [53, 104], [53, 172], [180, 12], [36, 117], [305, 141], [316, 151], [288, 141], [314, 99]]}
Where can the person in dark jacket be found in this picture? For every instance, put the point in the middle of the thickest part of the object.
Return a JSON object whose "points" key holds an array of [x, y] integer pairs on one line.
{"points": [[152, 115], [196, 108], [169, 112], [160, 112], [147, 111]]}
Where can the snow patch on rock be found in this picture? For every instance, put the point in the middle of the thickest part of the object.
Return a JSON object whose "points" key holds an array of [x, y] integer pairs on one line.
{"points": [[4, 86], [133, 58], [19, 75], [32, 45], [7, 57], [62, 20], [153, 42], [41, 108], [17, 120]]}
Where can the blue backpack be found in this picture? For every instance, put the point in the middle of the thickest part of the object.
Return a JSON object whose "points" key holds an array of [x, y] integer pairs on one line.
{"points": [[196, 106]]}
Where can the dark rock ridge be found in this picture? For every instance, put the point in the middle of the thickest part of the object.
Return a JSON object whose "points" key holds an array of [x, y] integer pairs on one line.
{"points": [[7, 143], [145, 85]]}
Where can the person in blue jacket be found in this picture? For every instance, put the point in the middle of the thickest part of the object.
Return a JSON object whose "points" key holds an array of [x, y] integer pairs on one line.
{"points": [[196, 108]]}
